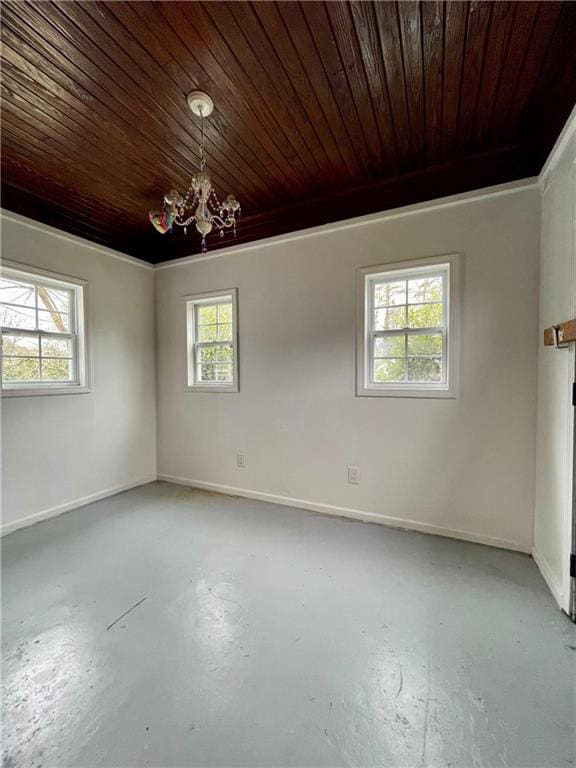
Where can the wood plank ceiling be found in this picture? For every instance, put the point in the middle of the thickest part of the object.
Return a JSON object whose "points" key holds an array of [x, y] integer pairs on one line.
{"points": [[324, 111]]}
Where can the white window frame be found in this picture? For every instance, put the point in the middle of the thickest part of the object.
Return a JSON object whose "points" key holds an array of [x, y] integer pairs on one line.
{"points": [[192, 302], [78, 332], [449, 266]]}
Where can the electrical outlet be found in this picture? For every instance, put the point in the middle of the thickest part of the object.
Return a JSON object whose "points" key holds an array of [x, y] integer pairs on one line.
{"points": [[354, 475], [241, 460]]}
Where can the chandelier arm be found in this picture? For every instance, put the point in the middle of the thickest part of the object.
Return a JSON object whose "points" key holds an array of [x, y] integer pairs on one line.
{"points": [[221, 223], [186, 222]]}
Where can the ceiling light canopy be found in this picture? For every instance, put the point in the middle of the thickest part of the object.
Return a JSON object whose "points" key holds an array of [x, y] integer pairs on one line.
{"points": [[194, 206]]}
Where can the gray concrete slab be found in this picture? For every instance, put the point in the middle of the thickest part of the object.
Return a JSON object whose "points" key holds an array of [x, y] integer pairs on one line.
{"points": [[267, 636]]}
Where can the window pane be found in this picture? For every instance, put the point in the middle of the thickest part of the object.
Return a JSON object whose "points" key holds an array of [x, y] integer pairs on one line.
{"points": [[17, 317], [206, 354], [386, 294], [389, 346], [16, 292], [424, 289], [214, 354], [425, 344], [20, 346], [55, 322], [54, 299], [56, 347], [207, 372], [207, 332], [424, 369], [389, 370], [424, 315], [388, 319], [56, 370], [224, 313], [215, 372], [20, 369], [207, 314], [224, 354], [224, 373], [225, 332]]}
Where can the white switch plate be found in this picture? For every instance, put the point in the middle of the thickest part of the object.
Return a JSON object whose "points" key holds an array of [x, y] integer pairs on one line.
{"points": [[241, 460], [354, 475]]}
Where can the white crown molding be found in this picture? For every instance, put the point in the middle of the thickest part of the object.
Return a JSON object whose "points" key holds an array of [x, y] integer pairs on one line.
{"points": [[24, 221], [361, 221], [561, 142]]}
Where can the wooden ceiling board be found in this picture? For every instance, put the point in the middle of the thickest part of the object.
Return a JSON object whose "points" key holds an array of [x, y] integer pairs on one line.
{"points": [[477, 36], [546, 24], [543, 110], [323, 110], [433, 68], [497, 40], [386, 15], [517, 48]]}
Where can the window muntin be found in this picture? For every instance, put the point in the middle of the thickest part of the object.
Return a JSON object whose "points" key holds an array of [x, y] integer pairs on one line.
{"points": [[406, 330], [212, 357], [42, 333]]}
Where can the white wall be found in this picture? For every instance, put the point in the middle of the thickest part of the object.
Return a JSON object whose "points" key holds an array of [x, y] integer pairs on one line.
{"points": [[552, 531], [63, 450], [461, 467]]}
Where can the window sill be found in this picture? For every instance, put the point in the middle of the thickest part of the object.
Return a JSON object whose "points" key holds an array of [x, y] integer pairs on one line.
{"points": [[438, 393], [42, 391], [233, 388]]}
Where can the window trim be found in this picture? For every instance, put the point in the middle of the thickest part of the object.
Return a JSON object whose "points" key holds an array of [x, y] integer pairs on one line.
{"points": [[190, 303], [364, 293], [81, 385]]}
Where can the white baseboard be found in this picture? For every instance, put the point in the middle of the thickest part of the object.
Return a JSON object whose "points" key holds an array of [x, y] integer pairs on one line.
{"points": [[554, 585], [355, 514], [313, 506], [44, 514]]}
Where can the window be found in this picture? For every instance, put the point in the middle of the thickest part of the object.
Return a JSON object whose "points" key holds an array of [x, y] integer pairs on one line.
{"points": [[212, 341], [43, 336], [407, 329]]}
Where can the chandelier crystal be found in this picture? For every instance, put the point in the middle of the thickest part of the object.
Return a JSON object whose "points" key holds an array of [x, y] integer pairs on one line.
{"points": [[198, 204]]}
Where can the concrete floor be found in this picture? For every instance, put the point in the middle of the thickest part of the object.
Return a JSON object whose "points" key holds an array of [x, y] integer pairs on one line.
{"points": [[267, 636]]}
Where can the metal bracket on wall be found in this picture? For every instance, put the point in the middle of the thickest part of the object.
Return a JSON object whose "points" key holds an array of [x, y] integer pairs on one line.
{"points": [[558, 336]]}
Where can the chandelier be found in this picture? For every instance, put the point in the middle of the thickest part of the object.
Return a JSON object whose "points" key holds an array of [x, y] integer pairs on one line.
{"points": [[200, 200]]}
